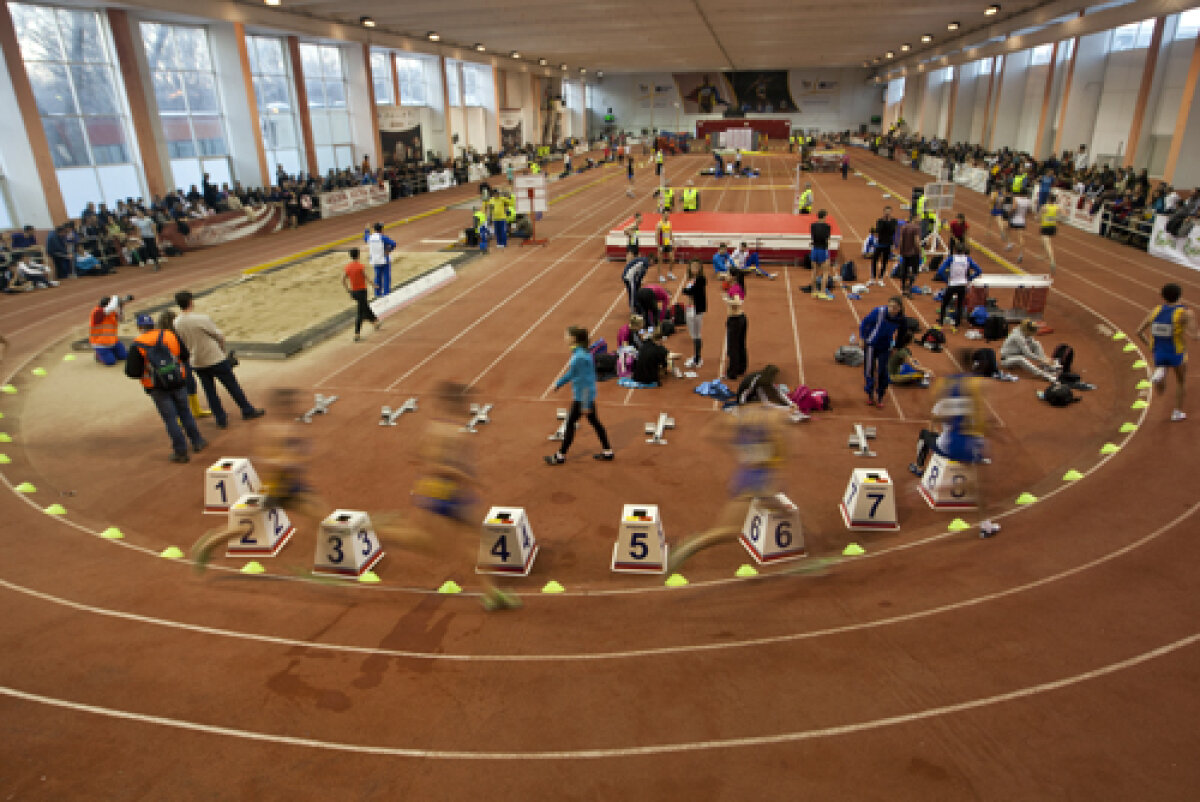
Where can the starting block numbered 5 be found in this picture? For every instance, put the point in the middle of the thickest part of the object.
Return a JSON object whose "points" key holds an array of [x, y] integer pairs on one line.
{"points": [[641, 546], [772, 535], [269, 532], [506, 543], [347, 546], [226, 481], [870, 501], [949, 485]]}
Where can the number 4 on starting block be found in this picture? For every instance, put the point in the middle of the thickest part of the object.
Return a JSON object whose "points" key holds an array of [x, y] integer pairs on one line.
{"points": [[347, 545], [949, 485], [226, 481], [268, 528], [641, 546], [773, 534], [870, 501], [506, 543]]}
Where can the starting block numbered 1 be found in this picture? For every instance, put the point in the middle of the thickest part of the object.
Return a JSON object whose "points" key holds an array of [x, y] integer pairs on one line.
{"points": [[949, 485], [506, 543], [870, 501], [270, 529], [772, 535], [226, 481], [347, 546], [641, 546]]}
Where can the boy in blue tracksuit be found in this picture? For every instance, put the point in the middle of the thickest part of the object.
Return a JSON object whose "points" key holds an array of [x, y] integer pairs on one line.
{"points": [[878, 331], [581, 373]]}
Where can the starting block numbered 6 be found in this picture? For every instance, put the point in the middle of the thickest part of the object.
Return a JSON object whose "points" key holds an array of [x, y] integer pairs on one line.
{"points": [[772, 535], [347, 546], [641, 546], [226, 481], [506, 543], [870, 501], [269, 530], [949, 485]]}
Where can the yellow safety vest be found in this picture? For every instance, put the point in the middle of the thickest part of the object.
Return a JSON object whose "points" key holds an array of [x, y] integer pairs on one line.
{"points": [[1050, 215], [921, 206], [668, 196], [690, 199], [806, 199], [534, 168], [510, 209], [658, 157], [480, 219], [1018, 183]]}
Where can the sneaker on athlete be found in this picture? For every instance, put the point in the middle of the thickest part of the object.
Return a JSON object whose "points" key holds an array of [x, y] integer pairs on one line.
{"points": [[988, 529], [1178, 414]]}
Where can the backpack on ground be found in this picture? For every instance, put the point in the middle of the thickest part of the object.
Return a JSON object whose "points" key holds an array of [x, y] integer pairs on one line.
{"points": [[934, 339], [606, 366], [667, 327], [808, 400], [978, 316], [165, 371], [679, 315], [1058, 395], [806, 262], [1064, 355], [850, 355], [848, 273], [599, 347], [995, 328], [984, 362]]}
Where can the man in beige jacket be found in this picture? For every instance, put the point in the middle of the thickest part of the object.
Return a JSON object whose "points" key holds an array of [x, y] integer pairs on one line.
{"points": [[207, 346]]}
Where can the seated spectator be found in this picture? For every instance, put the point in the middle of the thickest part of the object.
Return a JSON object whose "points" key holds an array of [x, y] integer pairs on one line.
{"points": [[631, 333], [721, 261], [1022, 351], [87, 264], [762, 387], [35, 274], [653, 361], [902, 368], [25, 241]]}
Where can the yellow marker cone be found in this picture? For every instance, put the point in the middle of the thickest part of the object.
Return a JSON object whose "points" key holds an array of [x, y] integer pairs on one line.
{"points": [[369, 578], [746, 570], [8, 388], [958, 525], [1, 415], [171, 553], [1072, 476], [1026, 498], [1129, 347], [676, 581], [39, 371], [69, 358], [552, 587], [1120, 335], [112, 533], [4, 459], [1139, 404], [5, 437], [253, 568], [1144, 384], [26, 487], [1139, 365], [1126, 428], [449, 586], [1109, 448], [55, 509], [853, 550]]}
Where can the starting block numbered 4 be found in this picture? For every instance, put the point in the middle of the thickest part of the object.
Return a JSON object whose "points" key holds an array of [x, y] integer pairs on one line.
{"points": [[641, 546], [949, 485], [771, 535], [269, 530], [226, 481], [347, 546], [506, 543], [870, 501]]}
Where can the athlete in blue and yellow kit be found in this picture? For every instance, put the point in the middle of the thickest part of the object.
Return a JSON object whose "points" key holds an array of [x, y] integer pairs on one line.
{"points": [[1169, 324]]}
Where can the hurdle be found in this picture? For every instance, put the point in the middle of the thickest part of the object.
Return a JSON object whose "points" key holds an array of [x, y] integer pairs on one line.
{"points": [[657, 427], [858, 440], [561, 431], [389, 416], [320, 406], [479, 416]]}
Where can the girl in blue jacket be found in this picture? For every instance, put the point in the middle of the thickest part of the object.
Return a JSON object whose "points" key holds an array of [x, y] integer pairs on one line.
{"points": [[581, 373]]}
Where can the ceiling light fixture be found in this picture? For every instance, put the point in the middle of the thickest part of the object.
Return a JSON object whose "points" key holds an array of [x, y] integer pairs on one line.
{"points": [[562, 67], [583, 70], [890, 54], [514, 54], [927, 38], [952, 26], [599, 73], [991, 11], [272, 2], [434, 36], [904, 48], [878, 59], [480, 47], [541, 62], [366, 22]]}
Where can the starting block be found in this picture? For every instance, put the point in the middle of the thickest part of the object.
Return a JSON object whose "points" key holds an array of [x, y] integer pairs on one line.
{"points": [[641, 546], [269, 532], [859, 440], [870, 501], [347, 546], [479, 416], [389, 416], [561, 431], [506, 543], [227, 480], [773, 535], [949, 485], [656, 428], [321, 405]]}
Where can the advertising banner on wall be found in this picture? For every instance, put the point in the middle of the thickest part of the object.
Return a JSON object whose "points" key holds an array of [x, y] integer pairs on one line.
{"points": [[814, 94], [1180, 250], [757, 91], [762, 91], [662, 94], [511, 134], [354, 199], [703, 92], [400, 135]]}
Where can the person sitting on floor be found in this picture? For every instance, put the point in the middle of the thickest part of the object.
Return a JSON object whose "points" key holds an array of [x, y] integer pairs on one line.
{"points": [[902, 369], [761, 387], [654, 362], [1021, 350]]}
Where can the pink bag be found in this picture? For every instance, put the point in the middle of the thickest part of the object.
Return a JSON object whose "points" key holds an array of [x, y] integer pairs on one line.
{"points": [[808, 400]]}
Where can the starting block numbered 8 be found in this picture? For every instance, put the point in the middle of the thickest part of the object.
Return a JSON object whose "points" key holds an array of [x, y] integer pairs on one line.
{"points": [[870, 501], [641, 546], [226, 481], [269, 532], [949, 485], [506, 543], [347, 546], [771, 535]]}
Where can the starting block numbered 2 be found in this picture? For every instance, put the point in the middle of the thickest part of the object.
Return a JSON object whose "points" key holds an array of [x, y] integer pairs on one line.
{"points": [[226, 481], [870, 501], [269, 528], [772, 535], [347, 546], [949, 485], [506, 543], [641, 546]]}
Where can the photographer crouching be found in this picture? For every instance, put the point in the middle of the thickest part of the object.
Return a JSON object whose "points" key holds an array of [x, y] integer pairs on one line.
{"points": [[102, 334]]}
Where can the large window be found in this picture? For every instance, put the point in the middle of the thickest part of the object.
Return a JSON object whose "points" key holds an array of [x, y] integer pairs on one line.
{"points": [[477, 86], [68, 58], [1040, 55], [414, 80], [325, 83], [895, 91], [189, 105], [381, 77], [277, 112], [1134, 36], [453, 85], [1189, 24]]}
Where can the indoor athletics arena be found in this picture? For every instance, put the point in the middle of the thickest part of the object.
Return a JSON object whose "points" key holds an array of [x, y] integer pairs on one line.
{"points": [[336, 465]]}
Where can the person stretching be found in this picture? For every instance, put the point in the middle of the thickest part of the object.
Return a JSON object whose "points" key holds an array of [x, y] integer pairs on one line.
{"points": [[581, 373]]}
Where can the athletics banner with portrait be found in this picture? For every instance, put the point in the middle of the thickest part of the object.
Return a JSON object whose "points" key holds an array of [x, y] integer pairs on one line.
{"points": [[761, 92], [703, 92], [511, 130], [400, 135]]}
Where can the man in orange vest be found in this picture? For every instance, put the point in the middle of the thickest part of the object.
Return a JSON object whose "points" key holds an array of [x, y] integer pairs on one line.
{"points": [[167, 389], [103, 332]]}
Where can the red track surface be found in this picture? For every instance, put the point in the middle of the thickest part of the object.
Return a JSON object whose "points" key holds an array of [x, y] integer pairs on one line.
{"points": [[1058, 660]]}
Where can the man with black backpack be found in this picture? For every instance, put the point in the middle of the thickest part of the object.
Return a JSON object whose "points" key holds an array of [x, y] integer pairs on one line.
{"points": [[158, 359]]}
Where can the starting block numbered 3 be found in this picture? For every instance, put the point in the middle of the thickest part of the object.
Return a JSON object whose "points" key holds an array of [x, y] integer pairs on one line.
{"points": [[270, 529], [949, 485], [870, 501], [772, 535], [347, 546], [506, 543], [226, 481], [641, 546]]}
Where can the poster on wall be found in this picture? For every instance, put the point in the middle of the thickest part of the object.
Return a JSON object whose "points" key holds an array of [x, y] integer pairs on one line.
{"points": [[762, 91], [661, 92], [511, 136], [703, 92], [816, 94], [401, 147]]}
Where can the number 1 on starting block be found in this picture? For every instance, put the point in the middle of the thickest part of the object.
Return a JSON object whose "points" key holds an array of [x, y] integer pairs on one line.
{"points": [[226, 481], [771, 535], [641, 546], [506, 543]]}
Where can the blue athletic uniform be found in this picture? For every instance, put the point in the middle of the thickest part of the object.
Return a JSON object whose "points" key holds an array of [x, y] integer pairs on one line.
{"points": [[1167, 329], [758, 457], [878, 332], [961, 412]]}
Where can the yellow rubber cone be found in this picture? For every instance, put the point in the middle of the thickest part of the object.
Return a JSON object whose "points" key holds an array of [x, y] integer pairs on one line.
{"points": [[69, 358], [1144, 384], [253, 567], [1139, 404], [1120, 335], [8, 388], [958, 525], [449, 586], [552, 587], [853, 550], [1109, 448], [5, 459], [1126, 428], [369, 578], [25, 487], [1139, 365], [676, 581], [1026, 498], [1072, 476], [746, 570], [1129, 347], [55, 509], [38, 371], [5, 437], [171, 553], [112, 533]]}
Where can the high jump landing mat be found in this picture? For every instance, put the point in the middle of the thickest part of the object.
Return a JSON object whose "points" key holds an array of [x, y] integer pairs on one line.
{"points": [[782, 238]]}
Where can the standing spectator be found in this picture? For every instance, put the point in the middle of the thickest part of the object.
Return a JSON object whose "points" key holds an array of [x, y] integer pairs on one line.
{"points": [[631, 236], [910, 255], [878, 332], [695, 289], [885, 235], [736, 327], [581, 373], [58, 249], [1022, 208], [206, 344], [355, 281], [379, 250], [170, 400], [961, 271], [147, 229], [666, 246], [819, 232], [958, 232], [845, 166], [212, 195]]}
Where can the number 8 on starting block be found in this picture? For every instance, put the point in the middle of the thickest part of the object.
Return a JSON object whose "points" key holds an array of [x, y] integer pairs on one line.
{"points": [[226, 481], [773, 534], [347, 545], [641, 546], [948, 485], [267, 529], [506, 543], [870, 501]]}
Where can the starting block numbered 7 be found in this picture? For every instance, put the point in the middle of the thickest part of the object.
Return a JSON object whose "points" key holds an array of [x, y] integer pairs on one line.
{"points": [[949, 485], [506, 543], [641, 546], [347, 546], [269, 528], [226, 481], [870, 501], [771, 535]]}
